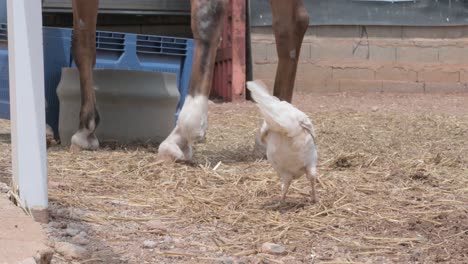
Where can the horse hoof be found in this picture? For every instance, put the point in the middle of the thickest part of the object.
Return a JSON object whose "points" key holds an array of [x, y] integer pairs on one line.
{"points": [[50, 139], [165, 158], [75, 148], [171, 154], [81, 141], [50, 142]]}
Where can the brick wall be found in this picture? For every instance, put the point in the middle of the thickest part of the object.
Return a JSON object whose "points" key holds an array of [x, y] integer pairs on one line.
{"points": [[372, 59]]}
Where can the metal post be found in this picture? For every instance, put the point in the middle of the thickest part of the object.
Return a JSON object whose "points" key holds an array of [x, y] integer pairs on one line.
{"points": [[25, 51]]}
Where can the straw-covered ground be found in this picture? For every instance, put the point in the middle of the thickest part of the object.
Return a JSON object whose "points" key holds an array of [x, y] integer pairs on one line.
{"points": [[393, 188]]}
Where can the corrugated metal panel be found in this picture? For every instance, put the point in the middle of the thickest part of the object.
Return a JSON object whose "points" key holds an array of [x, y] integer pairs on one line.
{"points": [[126, 6], [229, 72]]}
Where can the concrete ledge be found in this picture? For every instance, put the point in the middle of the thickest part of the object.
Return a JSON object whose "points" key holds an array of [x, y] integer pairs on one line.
{"points": [[22, 240]]}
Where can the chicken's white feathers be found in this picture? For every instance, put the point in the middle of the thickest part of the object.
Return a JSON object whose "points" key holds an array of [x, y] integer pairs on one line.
{"points": [[281, 116]]}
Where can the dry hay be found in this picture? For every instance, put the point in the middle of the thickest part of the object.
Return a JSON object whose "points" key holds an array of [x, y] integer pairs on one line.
{"points": [[393, 188]]}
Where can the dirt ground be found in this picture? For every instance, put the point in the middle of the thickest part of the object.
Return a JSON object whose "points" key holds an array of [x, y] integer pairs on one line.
{"points": [[393, 188]]}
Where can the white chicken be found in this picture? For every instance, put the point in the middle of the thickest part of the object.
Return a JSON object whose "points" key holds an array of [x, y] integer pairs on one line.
{"points": [[289, 138]]}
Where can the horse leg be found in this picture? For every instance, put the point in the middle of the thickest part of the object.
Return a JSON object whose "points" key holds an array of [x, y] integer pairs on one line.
{"points": [[84, 52], [206, 23], [290, 22]]}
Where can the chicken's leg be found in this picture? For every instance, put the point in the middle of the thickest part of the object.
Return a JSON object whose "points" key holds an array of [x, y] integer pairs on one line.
{"points": [[285, 182], [312, 176]]}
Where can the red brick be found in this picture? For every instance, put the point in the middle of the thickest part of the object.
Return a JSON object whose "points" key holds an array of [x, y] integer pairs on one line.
{"points": [[444, 87], [417, 54], [353, 73], [360, 86], [439, 75], [402, 87], [395, 73]]}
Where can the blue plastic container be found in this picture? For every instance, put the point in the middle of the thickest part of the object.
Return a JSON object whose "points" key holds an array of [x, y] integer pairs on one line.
{"points": [[4, 74], [127, 51], [57, 50], [114, 51], [57, 55], [3, 11]]}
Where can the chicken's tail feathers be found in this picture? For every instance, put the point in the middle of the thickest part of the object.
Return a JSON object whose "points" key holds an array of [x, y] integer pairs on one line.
{"points": [[259, 93], [267, 103], [308, 126], [279, 115]]}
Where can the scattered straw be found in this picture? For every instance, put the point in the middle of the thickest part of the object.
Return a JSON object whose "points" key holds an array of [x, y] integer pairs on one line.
{"points": [[392, 188]]}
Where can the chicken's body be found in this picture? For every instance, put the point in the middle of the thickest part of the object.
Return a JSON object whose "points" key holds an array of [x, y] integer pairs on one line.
{"points": [[288, 136]]}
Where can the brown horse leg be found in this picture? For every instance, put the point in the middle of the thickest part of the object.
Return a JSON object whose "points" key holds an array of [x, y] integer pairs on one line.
{"points": [[84, 52], [207, 18], [290, 22]]}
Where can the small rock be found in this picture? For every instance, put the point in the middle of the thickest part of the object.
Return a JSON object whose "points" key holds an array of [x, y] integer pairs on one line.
{"points": [[63, 212], [375, 109], [156, 225], [149, 244], [62, 233], [178, 241], [57, 225], [74, 225], [4, 188], [72, 231], [83, 234], [44, 256], [80, 239], [168, 239], [273, 249], [166, 243], [226, 260], [77, 213], [116, 202], [71, 251]]}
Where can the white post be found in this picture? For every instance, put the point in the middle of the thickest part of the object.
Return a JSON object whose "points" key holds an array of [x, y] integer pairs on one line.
{"points": [[25, 48]]}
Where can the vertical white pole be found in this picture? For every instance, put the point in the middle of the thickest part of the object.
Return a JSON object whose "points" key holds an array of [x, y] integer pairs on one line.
{"points": [[25, 48]]}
